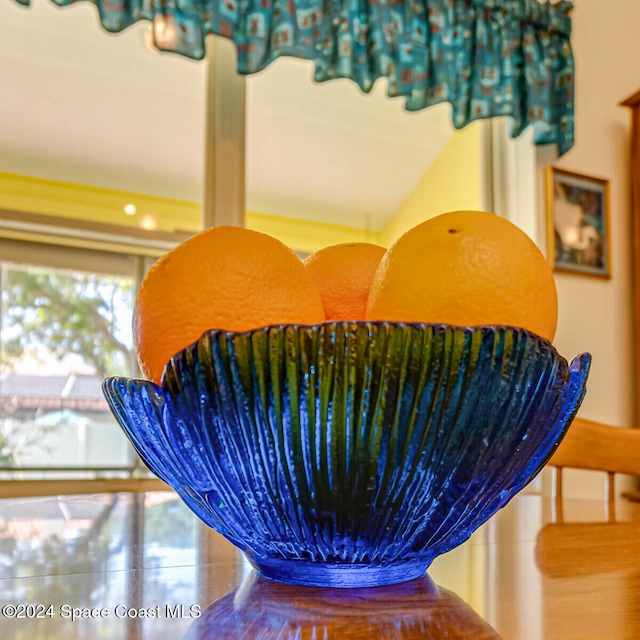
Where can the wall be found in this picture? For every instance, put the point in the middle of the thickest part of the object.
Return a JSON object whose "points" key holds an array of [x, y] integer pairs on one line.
{"points": [[596, 315], [95, 204], [89, 203], [452, 182]]}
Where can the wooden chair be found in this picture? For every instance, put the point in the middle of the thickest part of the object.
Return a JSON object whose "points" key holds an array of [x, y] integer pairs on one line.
{"points": [[597, 447]]}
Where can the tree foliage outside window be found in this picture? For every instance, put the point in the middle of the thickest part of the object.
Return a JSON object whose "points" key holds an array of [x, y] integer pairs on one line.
{"points": [[48, 316], [87, 315]]}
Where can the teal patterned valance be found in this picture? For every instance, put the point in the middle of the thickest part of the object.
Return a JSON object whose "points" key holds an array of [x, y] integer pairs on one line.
{"points": [[485, 57]]}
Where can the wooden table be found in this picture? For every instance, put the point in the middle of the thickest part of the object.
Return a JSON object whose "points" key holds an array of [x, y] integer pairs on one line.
{"points": [[138, 566]]}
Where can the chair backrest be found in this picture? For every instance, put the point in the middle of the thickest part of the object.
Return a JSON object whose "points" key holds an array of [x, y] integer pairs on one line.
{"points": [[598, 447]]}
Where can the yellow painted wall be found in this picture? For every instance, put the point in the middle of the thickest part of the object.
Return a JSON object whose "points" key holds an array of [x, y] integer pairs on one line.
{"points": [[306, 236], [452, 182], [82, 202]]}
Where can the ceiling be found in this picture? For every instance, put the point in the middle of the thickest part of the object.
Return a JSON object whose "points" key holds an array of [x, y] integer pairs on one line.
{"points": [[81, 105]]}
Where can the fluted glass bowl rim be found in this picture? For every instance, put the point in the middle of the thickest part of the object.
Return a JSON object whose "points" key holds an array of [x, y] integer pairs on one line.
{"points": [[318, 326]]}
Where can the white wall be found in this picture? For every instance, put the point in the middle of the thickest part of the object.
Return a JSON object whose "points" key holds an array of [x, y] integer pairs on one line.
{"points": [[596, 315]]}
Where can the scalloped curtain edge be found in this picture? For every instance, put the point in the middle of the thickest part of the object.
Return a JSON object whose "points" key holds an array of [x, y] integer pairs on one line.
{"points": [[486, 58]]}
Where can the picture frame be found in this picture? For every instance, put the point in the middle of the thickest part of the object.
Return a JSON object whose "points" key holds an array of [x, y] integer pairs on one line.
{"points": [[578, 231]]}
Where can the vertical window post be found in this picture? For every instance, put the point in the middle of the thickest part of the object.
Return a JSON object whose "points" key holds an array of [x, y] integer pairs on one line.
{"points": [[224, 137]]}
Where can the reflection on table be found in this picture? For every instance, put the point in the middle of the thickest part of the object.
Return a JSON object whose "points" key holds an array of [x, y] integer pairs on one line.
{"points": [[261, 608], [139, 566]]}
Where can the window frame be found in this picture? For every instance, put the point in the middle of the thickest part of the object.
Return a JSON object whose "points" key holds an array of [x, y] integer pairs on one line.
{"points": [[52, 241]]}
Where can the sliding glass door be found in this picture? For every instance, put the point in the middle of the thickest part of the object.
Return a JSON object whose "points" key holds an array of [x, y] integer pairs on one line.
{"points": [[65, 324]]}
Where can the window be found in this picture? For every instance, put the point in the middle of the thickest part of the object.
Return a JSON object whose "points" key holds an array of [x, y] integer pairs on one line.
{"points": [[65, 324]]}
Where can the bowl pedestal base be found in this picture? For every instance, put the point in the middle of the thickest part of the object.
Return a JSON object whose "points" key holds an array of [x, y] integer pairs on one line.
{"points": [[344, 575]]}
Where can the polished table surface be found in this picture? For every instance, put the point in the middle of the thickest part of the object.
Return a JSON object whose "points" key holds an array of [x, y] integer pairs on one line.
{"points": [[138, 566]]}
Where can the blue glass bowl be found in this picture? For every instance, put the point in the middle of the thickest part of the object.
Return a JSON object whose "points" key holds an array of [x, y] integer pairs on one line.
{"points": [[351, 453]]}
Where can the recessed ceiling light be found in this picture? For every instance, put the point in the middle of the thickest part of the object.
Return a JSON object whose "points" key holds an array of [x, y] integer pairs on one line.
{"points": [[130, 209]]}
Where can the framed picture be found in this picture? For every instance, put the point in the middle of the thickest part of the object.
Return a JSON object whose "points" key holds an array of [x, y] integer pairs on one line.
{"points": [[578, 223]]}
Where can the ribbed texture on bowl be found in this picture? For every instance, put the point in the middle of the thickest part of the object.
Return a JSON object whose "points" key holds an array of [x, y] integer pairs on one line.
{"points": [[361, 445]]}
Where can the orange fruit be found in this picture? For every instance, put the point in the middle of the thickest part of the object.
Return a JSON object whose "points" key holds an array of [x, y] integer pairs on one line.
{"points": [[343, 275], [226, 278], [466, 268]]}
